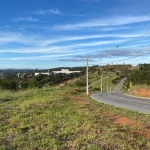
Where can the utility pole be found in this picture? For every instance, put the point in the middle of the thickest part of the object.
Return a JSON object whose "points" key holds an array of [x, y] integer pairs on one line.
{"points": [[101, 84], [87, 82], [107, 86]]}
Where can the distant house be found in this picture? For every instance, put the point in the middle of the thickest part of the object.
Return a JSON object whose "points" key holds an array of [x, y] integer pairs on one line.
{"points": [[37, 74], [65, 71], [19, 75], [42, 73], [24, 75]]}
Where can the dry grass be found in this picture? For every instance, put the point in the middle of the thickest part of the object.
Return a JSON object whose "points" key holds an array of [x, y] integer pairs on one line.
{"points": [[65, 118], [140, 91]]}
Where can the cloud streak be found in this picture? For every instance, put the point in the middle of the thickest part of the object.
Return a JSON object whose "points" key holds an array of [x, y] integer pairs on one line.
{"points": [[116, 21], [9, 37], [123, 54], [52, 11], [28, 19], [72, 43]]}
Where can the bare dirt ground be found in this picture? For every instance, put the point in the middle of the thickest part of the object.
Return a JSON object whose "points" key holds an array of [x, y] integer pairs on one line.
{"points": [[140, 91], [143, 129], [137, 128]]}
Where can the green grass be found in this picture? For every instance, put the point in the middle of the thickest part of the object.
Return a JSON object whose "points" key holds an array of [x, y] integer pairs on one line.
{"points": [[63, 119], [95, 76], [106, 82]]}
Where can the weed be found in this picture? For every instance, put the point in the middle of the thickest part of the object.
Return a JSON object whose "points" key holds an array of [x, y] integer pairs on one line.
{"points": [[65, 118]]}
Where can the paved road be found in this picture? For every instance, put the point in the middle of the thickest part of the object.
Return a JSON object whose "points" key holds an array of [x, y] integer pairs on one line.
{"points": [[116, 98]]}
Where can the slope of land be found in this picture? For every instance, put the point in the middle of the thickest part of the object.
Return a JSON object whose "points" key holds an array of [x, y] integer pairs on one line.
{"points": [[140, 91], [65, 118]]}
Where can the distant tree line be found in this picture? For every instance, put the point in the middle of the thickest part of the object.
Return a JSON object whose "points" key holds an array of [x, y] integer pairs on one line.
{"points": [[14, 83], [138, 77], [144, 67]]}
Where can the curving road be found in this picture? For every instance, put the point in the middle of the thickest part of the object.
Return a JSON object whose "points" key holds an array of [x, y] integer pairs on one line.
{"points": [[118, 99]]}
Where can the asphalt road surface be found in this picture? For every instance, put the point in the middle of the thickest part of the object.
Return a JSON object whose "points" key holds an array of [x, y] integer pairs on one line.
{"points": [[119, 99]]}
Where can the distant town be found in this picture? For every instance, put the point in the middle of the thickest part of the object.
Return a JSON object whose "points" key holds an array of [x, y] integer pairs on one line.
{"points": [[49, 72], [36, 72], [30, 78]]}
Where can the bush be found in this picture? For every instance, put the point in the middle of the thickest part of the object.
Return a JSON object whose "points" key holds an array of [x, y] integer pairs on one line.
{"points": [[80, 83]]}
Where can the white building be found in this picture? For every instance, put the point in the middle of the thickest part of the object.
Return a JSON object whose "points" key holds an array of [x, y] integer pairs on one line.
{"points": [[42, 73], [65, 71]]}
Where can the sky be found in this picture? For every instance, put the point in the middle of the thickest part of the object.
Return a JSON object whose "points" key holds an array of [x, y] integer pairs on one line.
{"points": [[62, 33]]}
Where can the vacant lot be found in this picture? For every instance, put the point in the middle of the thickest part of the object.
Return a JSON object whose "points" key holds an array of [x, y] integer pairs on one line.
{"points": [[141, 91], [65, 118]]}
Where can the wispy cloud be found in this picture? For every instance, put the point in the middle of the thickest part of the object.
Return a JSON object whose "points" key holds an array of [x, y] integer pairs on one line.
{"points": [[72, 59], [40, 57], [39, 41], [32, 40], [29, 19], [114, 21], [14, 37], [47, 42], [114, 28], [21, 28], [76, 15], [104, 54], [52, 11]]}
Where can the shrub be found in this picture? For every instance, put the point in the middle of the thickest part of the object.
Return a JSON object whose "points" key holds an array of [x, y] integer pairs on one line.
{"points": [[80, 83]]}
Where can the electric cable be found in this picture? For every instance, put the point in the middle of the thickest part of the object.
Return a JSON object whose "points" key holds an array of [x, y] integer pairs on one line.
{"points": [[128, 42]]}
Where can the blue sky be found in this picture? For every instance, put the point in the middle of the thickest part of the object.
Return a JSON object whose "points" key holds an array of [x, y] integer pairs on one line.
{"points": [[55, 33]]}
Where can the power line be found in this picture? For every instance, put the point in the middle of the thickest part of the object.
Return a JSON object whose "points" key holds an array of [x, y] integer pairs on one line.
{"points": [[134, 39], [128, 42], [129, 58]]}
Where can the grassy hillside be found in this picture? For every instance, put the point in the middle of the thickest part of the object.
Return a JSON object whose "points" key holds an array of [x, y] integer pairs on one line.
{"points": [[65, 118]]}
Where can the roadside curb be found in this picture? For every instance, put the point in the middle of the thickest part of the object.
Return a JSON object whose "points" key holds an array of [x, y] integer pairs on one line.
{"points": [[137, 96]]}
